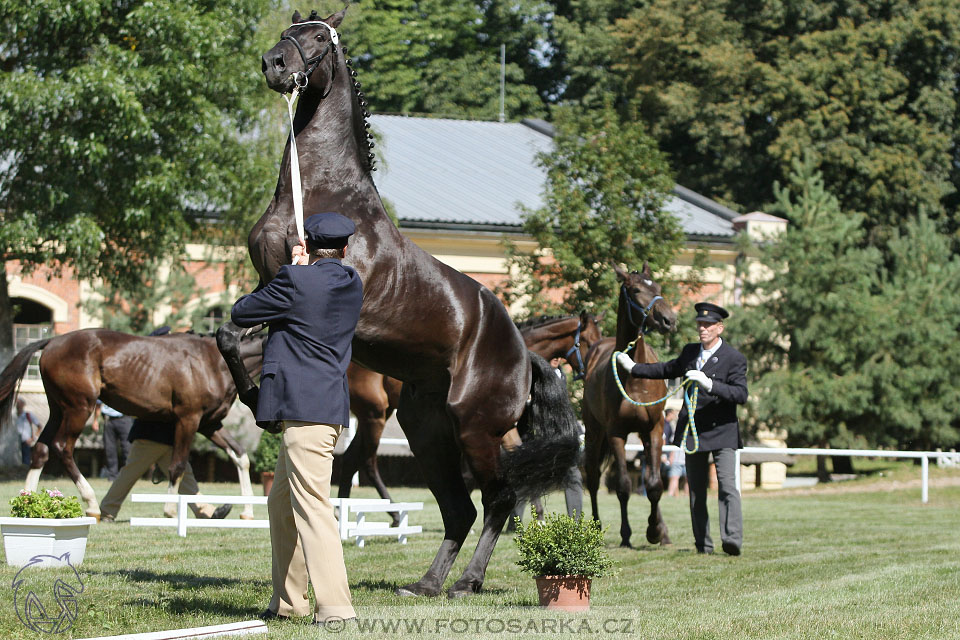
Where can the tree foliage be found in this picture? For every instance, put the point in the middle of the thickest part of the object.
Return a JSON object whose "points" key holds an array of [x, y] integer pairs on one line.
{"points": [[845, 349], [606, 184], [123, 126], [735, 92]]}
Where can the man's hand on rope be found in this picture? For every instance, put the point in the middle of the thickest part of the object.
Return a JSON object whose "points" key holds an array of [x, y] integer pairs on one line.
{"points": [[700, 378], [299, 254], [625, 361]]}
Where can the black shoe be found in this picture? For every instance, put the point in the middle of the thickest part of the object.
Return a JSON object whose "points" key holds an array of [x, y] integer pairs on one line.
{"points": [[705, 551], [731, 549], [221, 512], [267, 614]]}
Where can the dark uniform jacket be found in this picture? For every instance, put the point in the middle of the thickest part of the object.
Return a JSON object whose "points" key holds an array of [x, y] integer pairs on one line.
{"points": [[716, 417], [312, 311]]}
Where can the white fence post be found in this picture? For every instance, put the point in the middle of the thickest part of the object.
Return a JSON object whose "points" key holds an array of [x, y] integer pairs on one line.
{"points": [[925, 478]]}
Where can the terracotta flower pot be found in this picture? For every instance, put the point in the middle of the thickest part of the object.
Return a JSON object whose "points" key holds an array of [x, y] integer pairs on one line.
{"points": [[266, 477], [569, 593]]}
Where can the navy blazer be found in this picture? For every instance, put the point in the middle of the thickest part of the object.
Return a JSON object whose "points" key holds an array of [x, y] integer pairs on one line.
{"points": [[312, 311], [716, 417]]}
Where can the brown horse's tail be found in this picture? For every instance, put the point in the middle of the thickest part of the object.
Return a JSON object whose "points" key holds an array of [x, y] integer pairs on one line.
{"points": [[550, 434], [11, 375]]}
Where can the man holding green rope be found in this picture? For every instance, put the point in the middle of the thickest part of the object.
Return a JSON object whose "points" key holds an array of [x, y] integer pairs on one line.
{"points": [[721, 372]]}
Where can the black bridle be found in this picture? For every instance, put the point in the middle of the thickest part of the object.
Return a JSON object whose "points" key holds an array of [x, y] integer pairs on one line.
{"points": [[301, 78], [644, 311]]}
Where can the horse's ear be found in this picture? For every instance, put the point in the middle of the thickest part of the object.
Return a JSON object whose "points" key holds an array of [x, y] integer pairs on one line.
{"points": [[335, 20], [646, 269], [600, 317], [621, 274], [296, 18]]}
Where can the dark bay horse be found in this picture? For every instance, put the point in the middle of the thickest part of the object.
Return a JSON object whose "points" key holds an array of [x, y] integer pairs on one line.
{"points": [[178, 377], [374, 397], [609, 418], [465, 370]]}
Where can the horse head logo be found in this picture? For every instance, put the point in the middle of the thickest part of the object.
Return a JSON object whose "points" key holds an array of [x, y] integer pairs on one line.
{"points": [[31, 589]]}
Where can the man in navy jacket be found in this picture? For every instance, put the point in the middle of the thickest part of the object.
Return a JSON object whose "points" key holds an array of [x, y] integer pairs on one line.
{"points": [[721, 373], [312, 308]]}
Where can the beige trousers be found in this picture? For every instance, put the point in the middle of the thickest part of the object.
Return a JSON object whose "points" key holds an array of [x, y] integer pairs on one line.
{"points": [[144, 453], [303, 529]]}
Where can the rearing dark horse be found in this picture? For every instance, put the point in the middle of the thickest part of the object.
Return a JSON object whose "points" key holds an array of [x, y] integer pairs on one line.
{"points": [[466, 372]]}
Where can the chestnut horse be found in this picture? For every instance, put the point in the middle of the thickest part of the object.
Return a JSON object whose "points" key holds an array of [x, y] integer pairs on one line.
{"points": [[609, 418], [466, 373], [179, 377], [374, 397]]}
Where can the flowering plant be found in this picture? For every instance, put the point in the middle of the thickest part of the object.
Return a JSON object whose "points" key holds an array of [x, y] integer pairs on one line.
{"points": [[45, 503]]}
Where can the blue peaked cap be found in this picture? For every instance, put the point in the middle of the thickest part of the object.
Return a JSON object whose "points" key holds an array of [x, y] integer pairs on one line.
{"points": [[328, 230]]}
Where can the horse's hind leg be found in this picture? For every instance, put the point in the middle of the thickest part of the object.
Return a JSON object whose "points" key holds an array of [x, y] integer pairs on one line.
{"points": [[38, 459], [239, 458], [64, 442], [428, 430], [617, 444]]}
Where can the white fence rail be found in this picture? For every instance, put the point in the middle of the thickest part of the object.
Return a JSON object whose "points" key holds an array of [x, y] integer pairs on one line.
{"points": [[943, 458]]}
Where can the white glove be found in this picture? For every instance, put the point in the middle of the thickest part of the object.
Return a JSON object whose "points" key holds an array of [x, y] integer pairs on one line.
{"points": [[700, 378], [625, 361]]}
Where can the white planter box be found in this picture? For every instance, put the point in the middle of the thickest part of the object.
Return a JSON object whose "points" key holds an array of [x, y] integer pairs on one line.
{"points": [[24, 538]]}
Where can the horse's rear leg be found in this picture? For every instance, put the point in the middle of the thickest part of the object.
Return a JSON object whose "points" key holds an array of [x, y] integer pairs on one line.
{"points": [[72, 425], [239, 458], [617, 444], [38, 459], [428, 430]]}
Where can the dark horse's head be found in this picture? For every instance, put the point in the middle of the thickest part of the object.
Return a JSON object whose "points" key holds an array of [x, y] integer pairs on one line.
{"points": [[306, 55], [645, 307]]}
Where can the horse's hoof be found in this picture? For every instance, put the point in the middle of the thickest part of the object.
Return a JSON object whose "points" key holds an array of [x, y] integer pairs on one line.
{"points": [[416, 589], [93, 514], [665, 540], [625, 544], [462, 591], [244, 516]]}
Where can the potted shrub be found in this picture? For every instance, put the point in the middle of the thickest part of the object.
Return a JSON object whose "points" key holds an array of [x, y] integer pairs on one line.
{"points": [[44, 522], [563, 554], [264, 458]]}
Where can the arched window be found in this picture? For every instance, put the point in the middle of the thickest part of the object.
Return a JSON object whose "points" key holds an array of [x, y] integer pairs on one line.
{"points": [[210, 322], [32, 321]]}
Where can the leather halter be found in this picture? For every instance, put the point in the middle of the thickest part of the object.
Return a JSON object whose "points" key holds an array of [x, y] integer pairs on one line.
{"points": [[301, 78], [644, 311], [575, 349]]}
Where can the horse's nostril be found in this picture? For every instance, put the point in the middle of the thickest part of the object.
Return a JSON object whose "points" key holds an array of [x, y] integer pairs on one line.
{"points": [[263, 65], [278, 62]]}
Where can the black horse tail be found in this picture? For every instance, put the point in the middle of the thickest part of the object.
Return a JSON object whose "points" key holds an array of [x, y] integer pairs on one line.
{"points": [[11, 375], [550, 434]]}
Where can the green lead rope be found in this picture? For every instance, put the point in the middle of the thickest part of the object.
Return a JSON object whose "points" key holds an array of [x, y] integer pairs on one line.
{"points": [[689, 399]]}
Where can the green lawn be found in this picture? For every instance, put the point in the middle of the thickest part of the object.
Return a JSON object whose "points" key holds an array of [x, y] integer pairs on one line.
{"points": [[870, 562]]}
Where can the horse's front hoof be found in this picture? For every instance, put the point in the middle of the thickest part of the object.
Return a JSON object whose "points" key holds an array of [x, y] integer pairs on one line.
{"points": [[625, 544], [417, 589], [245, 516], [93, 514]]}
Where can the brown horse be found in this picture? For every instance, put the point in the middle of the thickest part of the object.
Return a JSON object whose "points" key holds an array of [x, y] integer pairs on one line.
{"points": [[374, 397], [609, 418], [466, 373], [178, 378]]}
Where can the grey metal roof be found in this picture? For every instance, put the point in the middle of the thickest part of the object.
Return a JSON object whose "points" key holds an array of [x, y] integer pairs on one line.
{"points": [[468, 173]]}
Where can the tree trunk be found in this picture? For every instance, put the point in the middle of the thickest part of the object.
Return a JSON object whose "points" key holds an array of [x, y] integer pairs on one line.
{"points": [[822, 474], [6, 323], [842, 464]]}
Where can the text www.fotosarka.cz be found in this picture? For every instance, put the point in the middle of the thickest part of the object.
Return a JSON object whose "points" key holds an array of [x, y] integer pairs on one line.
{"points": [[473, 625]]}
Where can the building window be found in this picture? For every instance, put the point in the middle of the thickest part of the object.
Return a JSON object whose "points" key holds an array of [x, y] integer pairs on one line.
{"points": [[211, 321], [31, 322]]}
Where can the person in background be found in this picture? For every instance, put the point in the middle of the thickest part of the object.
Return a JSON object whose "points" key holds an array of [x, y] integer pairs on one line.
{"points": [[116, 432], [28, 428], [720, 371], [675, 460], [151, 443]]}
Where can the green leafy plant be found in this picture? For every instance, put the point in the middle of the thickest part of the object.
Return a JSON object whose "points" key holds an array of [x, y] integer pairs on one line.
{"points": [[45, 503], [264, 457], [561, 546]]}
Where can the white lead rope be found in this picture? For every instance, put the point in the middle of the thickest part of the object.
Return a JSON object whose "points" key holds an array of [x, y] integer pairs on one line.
{"points": [[295, 168]]}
